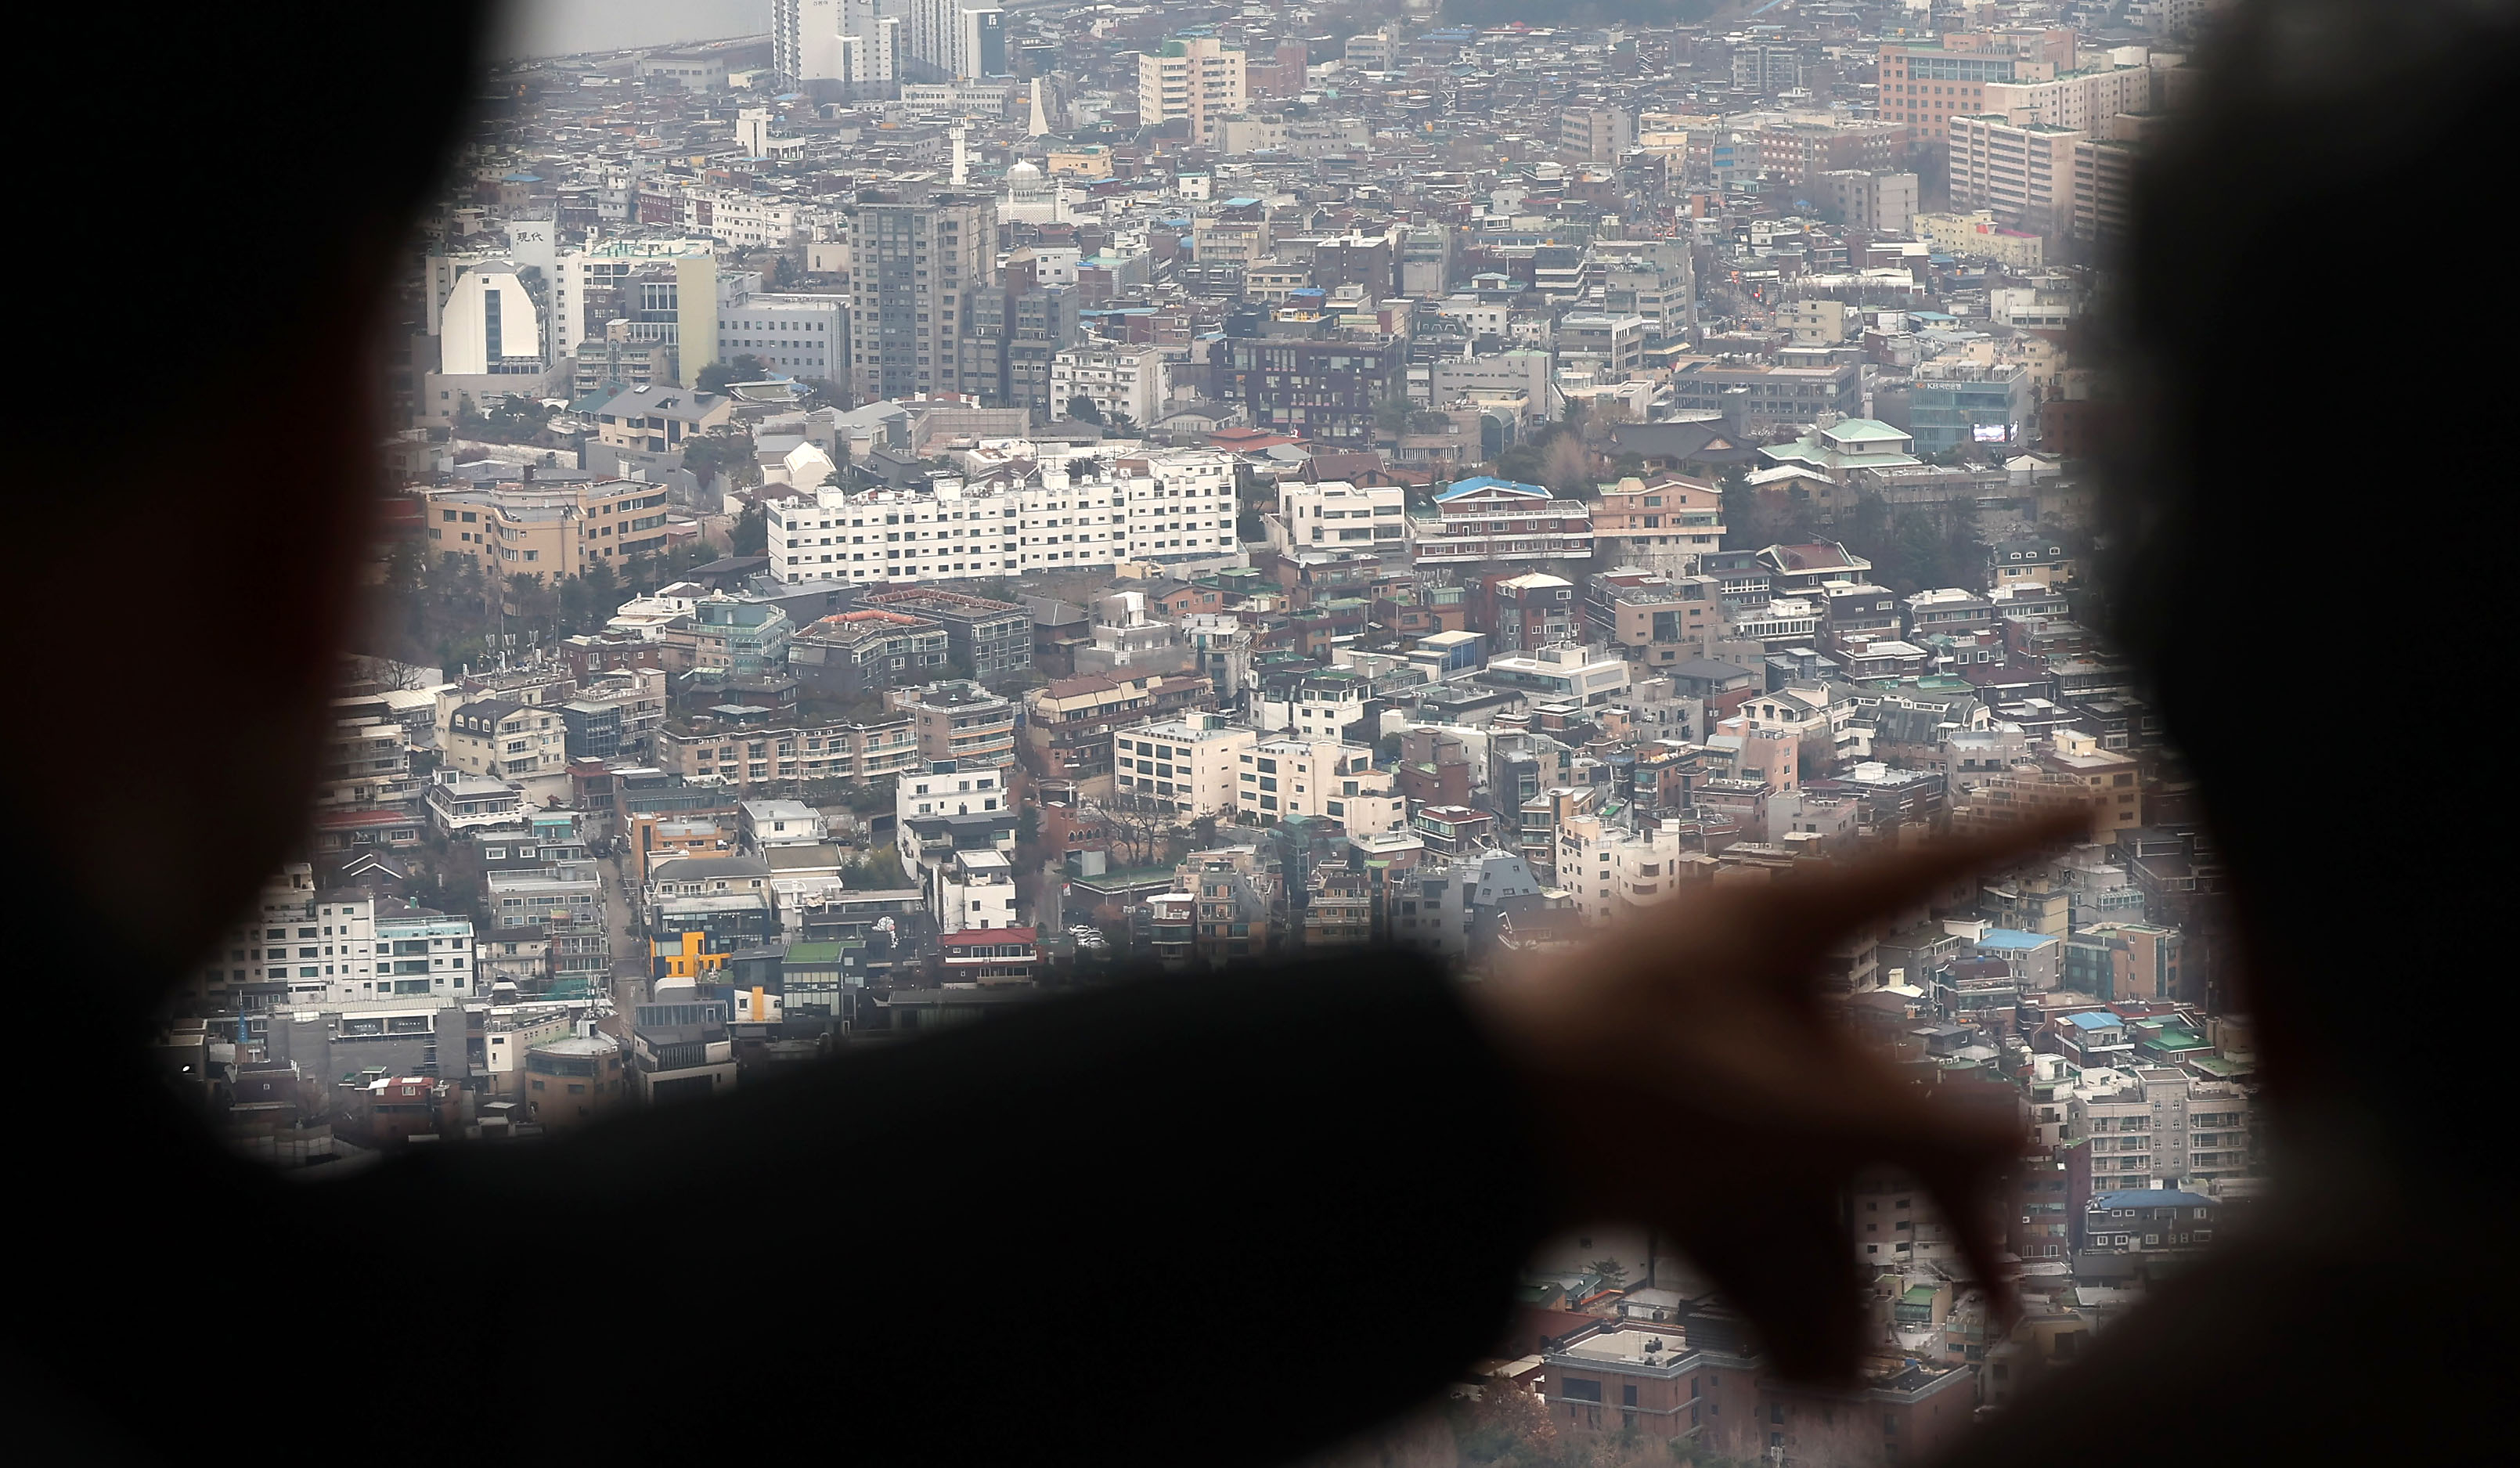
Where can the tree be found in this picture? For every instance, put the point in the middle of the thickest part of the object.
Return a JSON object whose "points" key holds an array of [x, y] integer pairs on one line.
{"points": [[722, 450], [1122, 426], [1082, 409], [1602, 419], [1614, 1275], [1566, 468], [1505, 1423], [744, 368], [1523, 464], [878, 870], [530, 599], [838, 477], [750, 534]]}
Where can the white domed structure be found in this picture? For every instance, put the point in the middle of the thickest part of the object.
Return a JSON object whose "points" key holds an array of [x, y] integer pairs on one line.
{"points": [[1030, 196]]}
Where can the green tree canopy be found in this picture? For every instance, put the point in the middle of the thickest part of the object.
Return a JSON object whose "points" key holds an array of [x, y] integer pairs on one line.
{"points": [[722, 450], [743, 368]]}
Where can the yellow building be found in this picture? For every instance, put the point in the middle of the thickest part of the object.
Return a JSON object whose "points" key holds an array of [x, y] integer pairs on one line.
{"points": [[683, 957], [1086, 160]]}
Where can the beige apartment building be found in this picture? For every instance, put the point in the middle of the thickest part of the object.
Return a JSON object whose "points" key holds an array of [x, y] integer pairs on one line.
{"points": [[764, 754], [959, 721], [501, 738], [547, 531], [1194, 765], [1667, 524], [2108, 776], [1323, 778], [2021, 171], [1085, 160], [2082, 100], [1979, 235], [1199, 80]]}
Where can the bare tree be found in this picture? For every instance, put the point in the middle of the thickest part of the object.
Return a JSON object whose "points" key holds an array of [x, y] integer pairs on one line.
{"points": [[391, 675]]}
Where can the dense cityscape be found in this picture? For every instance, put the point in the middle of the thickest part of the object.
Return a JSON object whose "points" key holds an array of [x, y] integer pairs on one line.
{"points": [[948, 502]]}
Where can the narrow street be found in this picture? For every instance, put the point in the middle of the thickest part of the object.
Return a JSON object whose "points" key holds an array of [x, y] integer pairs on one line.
{"points": [[621, 924]]}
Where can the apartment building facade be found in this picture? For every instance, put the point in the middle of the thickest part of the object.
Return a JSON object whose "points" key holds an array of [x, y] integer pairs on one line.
{"points": [[1486, 519], [2022, 172], [918, 261], [1323, 778], [1338, 516], [1172, 505], [1122, 382], [1198, 81], [1193, 764], [771, 753], [548, 531]]}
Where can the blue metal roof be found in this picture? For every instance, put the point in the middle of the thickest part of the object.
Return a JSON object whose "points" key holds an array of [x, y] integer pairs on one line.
{"points": [[2014, 937], [2094, 1021], [1474, 484]]}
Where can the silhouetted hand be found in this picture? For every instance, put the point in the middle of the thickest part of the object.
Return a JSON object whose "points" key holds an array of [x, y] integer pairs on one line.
{"points": [[1687, 1076]]}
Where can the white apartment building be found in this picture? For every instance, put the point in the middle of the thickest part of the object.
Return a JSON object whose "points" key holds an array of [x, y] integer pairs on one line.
{"points": [[489, 325], [1119, 381], [854, 47], [960, 40], [1317, 704], [975, 889], [612, 264], [799, 334], [962, 790], [1199, 80], [1174, 504], [1317, 777], [417, 952], [1587, 676], [1179, 505], [306, 948], [750, 221], [1194, 765], [1783, 618], [2085, 100], [1610, 869], [1336, 515], [764, 824], [943, 789]]}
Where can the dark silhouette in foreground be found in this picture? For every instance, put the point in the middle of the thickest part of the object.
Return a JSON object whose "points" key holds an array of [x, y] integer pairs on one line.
{"points": [[997, 1193]]}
